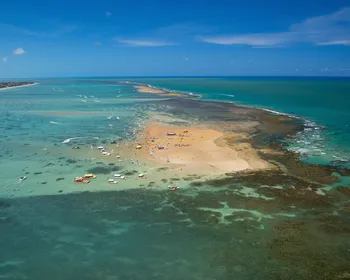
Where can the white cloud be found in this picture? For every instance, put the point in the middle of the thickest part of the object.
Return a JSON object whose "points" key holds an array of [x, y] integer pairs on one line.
{"points": [[108, 14], [55, 31], [19, 51], [97, 44], [176, 34], [332, 29], [4, 59], [330, 43], [144, 43], [258, 39]]}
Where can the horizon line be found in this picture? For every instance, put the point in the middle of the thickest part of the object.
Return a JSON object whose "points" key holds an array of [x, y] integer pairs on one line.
{"points": [[175, 76]]}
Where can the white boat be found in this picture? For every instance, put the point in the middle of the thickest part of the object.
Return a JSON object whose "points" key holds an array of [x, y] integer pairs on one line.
{"points": [[112, 181], [22, 178]]}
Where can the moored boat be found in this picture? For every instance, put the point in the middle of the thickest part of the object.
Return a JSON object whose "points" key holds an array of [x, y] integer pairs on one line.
{"points": [[81, 180]]}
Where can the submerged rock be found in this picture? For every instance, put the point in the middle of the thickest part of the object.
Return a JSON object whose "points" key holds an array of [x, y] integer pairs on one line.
{"points": [[129, 173], [103, 169]]}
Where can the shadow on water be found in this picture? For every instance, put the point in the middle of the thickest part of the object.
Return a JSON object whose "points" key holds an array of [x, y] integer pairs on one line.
{"points": [[142, 234]]}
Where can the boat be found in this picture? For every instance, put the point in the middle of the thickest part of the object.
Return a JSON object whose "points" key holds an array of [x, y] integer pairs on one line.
{"points": [[112, 181], [81, 180], [138, 147], [90, 176], [117, 175], [22, 179], [173, 188]]}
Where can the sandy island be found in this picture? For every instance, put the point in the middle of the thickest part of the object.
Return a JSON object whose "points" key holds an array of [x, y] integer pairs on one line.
{"points": [[157, 91], [196, 150]]}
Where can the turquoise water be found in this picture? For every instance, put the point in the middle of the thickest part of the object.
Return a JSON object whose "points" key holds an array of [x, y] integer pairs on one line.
{"points": [[221, 230], [324, 102], [42, 124]]}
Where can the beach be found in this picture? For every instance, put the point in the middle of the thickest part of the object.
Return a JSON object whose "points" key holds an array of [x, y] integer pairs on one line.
{"points": [[198, 150]]}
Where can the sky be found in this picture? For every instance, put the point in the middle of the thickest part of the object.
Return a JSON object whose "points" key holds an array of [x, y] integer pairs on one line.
{"points": [[75, 38]]}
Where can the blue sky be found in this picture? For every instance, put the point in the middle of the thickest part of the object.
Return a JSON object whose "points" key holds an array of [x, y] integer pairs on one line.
{"points": [[174, 38]]}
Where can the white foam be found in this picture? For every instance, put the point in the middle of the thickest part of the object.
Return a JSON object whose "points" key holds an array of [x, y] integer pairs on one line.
{"points": [[279, 113], [229, 95], [74, 138]]}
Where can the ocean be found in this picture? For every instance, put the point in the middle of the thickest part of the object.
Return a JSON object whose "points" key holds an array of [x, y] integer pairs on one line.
{"points": [[223, 230], [323, 102]]}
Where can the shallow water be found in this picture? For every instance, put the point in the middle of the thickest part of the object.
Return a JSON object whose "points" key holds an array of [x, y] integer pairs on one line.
{"points": [[233, 229], [42, 124]]}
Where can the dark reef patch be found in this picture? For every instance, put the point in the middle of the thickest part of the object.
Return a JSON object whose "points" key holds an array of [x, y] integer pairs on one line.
{"points": [[151, 184], [174, 179], [130, 172], [162, 168], [103, 169]]}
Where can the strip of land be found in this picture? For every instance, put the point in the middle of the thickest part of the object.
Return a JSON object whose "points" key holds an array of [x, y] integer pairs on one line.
{"points": [[10, 85], [157, 91]]}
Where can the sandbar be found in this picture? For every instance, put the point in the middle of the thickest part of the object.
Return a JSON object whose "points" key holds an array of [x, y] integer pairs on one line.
{"points": [[198, 150], [157, 91]]}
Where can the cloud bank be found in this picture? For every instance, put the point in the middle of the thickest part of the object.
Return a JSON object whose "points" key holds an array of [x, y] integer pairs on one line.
{"points": [[332, 29]]}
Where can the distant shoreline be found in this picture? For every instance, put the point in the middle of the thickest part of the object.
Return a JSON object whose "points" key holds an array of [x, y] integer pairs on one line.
{"points": [[19, 86]]}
